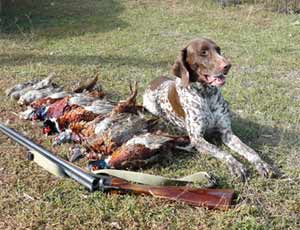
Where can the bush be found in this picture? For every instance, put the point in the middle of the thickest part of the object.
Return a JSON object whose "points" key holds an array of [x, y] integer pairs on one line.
{"points": [[8, 7], [282, 6]]}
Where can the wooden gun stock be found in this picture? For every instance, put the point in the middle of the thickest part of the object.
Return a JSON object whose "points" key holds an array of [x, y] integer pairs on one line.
{"points": [[209, 198]]}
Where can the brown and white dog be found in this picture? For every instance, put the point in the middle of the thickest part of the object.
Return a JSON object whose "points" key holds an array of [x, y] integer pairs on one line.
{"points": [[193, 102]]}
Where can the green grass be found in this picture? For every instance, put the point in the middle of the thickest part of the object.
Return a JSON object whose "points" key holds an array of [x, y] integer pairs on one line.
{"points": [[139, 40]]}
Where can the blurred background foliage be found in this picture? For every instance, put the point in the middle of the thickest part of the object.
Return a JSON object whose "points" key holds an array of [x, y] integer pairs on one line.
{"points": [[20, 15], [283, 6]]}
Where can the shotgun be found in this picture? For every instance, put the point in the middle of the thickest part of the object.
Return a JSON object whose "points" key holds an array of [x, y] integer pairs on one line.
{"points": [[209, 198]]}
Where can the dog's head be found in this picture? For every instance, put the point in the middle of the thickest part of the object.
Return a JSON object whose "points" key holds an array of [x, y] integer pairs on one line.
{"points": [[201, 61]]}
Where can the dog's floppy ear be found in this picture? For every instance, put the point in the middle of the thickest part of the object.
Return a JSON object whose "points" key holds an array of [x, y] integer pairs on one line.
{"points": [[179, 68]]}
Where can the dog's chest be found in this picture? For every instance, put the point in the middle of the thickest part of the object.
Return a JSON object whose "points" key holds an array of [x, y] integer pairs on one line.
{"points": [[203, 105]]}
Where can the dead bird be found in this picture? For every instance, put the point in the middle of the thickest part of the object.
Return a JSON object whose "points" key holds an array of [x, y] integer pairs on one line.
{"points": [[18, 88], [65, 113], [76, 153], [21, 89], [119, 126], [144, 149], [129, 105], [35, 94], [87, 86], [115, 131], [100, 106], [49, 99], [97, 116]]}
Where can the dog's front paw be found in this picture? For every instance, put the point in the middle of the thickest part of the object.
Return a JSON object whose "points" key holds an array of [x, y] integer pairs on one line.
{"points": [[238, 170], [265, 169]]}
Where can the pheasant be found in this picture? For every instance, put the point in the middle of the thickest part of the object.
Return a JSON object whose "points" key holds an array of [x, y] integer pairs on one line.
{"points": [[144, 149]]}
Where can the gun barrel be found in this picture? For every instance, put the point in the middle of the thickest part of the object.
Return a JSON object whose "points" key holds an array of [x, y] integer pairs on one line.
{"points": [[84, 178]]}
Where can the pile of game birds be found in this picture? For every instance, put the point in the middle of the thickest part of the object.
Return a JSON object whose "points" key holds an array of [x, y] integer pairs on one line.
{"points": [[110, 134]]}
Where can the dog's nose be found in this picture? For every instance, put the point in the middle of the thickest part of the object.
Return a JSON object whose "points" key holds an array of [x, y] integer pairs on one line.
{"points": [[226, 67]]}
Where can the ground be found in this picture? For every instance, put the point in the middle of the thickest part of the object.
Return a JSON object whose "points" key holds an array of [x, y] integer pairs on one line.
{"points": [[139, 40]]}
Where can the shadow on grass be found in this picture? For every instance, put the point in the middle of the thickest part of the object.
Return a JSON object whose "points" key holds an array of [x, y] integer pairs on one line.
{"points": [[63, 18], [257, 136], [24, 59]]}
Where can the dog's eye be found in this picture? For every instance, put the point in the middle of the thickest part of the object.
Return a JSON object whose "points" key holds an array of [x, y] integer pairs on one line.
{"points": [[218, 50], [204, 52]]}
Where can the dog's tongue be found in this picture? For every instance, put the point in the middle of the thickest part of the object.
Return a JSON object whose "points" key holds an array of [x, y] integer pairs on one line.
{"points": [[220, 80], [217, 81]]}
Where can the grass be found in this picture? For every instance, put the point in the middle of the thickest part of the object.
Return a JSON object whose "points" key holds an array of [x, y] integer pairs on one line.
{"points": [[139, 40]]}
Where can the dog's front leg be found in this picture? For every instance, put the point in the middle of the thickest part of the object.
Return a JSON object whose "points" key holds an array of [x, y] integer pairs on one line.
{"points": [[234, 143], [196, 123], [235, 167]]}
